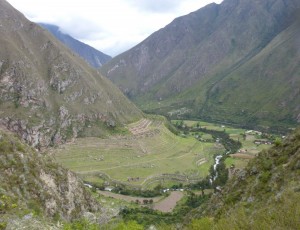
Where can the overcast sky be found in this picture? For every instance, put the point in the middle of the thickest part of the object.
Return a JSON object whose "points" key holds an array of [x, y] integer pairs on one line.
{"points": [[111, 26]]}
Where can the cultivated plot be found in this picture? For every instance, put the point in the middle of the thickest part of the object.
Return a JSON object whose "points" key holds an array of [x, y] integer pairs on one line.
{"points": [[150, 152]]}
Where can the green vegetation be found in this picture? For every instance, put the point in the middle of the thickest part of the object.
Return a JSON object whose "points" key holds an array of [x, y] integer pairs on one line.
{"points": [[226, 68], [151, 140], [263, 196], [147, 217], [30, 182], [153, 156], [82, 224]]}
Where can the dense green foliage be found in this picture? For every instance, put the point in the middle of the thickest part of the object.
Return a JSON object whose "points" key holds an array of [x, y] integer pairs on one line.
{"points": [[230, 145], [147, 217], [137, 192]]}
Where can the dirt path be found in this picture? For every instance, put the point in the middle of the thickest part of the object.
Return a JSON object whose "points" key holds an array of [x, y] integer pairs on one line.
{"points": [[128, 198], [168, 204]]}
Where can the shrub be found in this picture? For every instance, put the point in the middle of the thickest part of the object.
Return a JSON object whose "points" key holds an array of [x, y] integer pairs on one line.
{"points": [[203, 224]]}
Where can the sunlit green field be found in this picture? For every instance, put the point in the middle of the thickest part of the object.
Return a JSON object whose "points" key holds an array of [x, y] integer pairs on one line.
{"points": [[248, 147], [151, 153]]}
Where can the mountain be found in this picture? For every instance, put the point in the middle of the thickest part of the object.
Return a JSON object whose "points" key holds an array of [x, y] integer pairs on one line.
{"points": [[236, 62], [48, 94], [264, 195], [94, 57], [34, 188]]}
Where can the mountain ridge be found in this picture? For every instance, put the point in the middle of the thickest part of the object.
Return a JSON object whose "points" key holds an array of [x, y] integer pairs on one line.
{"points": [[177, 66], [48, 94], [93, 56]]}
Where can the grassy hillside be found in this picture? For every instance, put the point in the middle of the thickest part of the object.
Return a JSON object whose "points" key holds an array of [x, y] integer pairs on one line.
{"points": [[35, 190], [267, 86], [48, 94], [263, 196], [219, 63]]}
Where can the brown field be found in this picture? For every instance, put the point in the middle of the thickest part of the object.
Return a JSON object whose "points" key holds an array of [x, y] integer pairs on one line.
{"points": [[168, 204]]}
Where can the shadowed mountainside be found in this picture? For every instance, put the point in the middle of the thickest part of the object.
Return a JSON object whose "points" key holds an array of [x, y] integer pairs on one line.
{"points": [[237, 62]]}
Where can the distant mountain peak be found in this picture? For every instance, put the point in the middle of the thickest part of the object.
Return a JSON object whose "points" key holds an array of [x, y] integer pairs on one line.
{"points": [[93, 56]]}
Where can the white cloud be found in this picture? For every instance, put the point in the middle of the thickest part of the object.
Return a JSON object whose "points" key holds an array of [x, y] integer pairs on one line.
{"points": [[110, 26]]}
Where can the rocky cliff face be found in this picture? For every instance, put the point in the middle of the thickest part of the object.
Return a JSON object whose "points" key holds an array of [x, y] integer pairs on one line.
{"points": [[48, 94], [94, 57], [198, 62], [33, 183]]}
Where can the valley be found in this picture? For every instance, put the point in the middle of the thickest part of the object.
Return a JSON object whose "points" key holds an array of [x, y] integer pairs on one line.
{"points": [[145, 157], [158, 163], [192, 128]]}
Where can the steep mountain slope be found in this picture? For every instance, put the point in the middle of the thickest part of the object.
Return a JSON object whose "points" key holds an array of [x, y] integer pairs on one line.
{"points": [[32, 185], [191, 63], [48, 94], [265, 195], [94, 57]]}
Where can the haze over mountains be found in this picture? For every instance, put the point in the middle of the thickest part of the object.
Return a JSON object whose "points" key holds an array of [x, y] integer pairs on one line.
{"points": [[94, 57], [48, 94], [237, 62]]}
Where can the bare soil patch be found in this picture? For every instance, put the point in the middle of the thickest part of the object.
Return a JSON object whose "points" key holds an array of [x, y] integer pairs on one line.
{"points": [[168, 204]]}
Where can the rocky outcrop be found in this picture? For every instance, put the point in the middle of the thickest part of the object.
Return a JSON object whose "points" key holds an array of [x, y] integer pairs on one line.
{"points": [[48, 94], [31, 178]]}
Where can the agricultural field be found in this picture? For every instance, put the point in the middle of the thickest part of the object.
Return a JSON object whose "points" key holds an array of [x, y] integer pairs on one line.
{"points": [[149, 155], [247, 138]]}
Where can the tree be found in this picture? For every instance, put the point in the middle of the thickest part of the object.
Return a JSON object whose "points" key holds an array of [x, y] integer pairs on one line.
{"points": [[145, 201]]}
